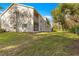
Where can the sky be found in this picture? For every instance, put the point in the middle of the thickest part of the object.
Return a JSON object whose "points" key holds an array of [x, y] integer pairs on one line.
{"points": [[43, 8]]}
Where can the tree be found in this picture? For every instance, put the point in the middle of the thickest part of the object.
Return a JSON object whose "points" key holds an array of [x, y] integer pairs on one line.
{"points": [[67, 15], [47, 21]]}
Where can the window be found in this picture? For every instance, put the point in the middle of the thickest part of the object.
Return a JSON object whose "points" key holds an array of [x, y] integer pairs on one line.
{"points": [[15, 26], [36, 26], [24, 25]]}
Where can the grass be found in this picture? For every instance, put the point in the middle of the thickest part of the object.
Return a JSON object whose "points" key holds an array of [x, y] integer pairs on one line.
{"points": [[38, 44]]}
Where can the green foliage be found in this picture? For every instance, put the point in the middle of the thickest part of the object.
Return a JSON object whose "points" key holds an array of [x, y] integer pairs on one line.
{"points": [[71, 10], [2, 30], [77, 29], [72, 30], [47, 21], [55, 29]]}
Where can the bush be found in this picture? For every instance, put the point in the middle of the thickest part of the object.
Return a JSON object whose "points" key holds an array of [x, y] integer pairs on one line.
{"points": [[72, 30], [2, 30], [75, 30]]}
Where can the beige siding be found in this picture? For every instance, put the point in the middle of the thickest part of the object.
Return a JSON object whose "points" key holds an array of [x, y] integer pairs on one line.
{"points": [[19, 18], [25, 16], [8, 21], [43, 26]]}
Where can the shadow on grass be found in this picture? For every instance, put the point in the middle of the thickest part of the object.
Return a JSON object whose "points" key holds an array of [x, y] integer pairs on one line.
{"points": [[40, 45], [48, 46]]}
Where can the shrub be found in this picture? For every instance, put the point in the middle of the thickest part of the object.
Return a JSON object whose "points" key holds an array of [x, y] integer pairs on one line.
{"points": [[75, 30], [2, 30], [72, 30]]}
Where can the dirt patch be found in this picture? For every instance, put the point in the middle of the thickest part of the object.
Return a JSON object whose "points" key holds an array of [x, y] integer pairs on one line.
{"points": [[74, 48]]}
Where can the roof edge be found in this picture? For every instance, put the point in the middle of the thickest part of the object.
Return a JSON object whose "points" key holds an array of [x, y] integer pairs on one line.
{"points": [[7, 9], [14, 4]]}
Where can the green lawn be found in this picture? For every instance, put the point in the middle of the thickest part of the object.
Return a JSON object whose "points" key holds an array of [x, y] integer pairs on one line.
{"points": [[44, 43]]}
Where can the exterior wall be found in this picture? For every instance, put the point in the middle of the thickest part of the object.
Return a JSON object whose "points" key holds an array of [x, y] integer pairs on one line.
{"points": [[25, 19], [43, 26], [47, 26], [8, 20], [40, 23], [18, 18], [36, 21]]}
